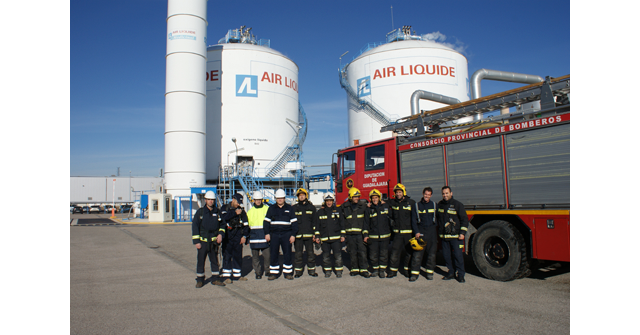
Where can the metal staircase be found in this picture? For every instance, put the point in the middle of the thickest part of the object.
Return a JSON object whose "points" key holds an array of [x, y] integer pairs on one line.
{"points": [[367, 107], [293, 150]]}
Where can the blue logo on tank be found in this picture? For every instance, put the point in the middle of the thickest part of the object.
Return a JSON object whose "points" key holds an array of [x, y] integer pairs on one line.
{"points": [[246, 85]]}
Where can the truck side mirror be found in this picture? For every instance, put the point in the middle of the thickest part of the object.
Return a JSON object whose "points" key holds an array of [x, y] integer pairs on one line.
{"points": [[334, 170]]}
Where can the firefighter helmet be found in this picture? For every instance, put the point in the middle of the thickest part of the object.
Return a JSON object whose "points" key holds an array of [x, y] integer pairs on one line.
{"points": [[302, 190], [210, 195], [375, 192], [328, 196], [354, 192], [417, 243], [280, 193], [400, 187]]}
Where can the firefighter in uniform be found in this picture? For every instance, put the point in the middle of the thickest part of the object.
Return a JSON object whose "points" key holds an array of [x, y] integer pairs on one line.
{"points": [[353, 212], [305, 212], [280, 228], [330, 233], [403, 213], [378, 224], [257, 240], [428, 231], [452, 226], [237, 231], [207, 228]]}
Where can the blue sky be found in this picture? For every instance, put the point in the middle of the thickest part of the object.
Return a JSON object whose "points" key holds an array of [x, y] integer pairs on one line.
{"points": [[117, 64]]}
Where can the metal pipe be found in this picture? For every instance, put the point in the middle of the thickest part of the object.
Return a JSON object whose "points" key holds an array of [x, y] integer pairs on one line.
{"points": [[420, 94], [511, 77]]}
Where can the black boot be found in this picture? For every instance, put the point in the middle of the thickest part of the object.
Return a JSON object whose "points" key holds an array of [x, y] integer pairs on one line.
{"points": [[392, 274], [313, 274], [199, 282], [374, 273], [449, 276], [298, 274], [413, 278]]}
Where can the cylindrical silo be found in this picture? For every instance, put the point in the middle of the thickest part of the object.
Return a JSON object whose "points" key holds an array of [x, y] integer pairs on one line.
{"points": [[386, 76], [185, 96], [252, 96]]}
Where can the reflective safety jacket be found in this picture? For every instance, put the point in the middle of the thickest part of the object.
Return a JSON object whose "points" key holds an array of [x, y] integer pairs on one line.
{"points": [[404, 215], [305, 212], [451, 211], [353, 215], [329, 223], [426, 222], [235, 222], [256, 226], [281, 219], [377, 221], [206, 225]]}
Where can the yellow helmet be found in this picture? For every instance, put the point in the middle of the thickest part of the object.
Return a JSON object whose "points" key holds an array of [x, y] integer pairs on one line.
{"points": [[400, 187], [375, 192], [354, 192], [417, 244], [302, 190]]}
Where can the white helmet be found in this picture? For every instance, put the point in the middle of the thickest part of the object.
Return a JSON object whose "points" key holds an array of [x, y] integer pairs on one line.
{"points": [[257, 195], [210, 195], [328, 196], [280, 193]]}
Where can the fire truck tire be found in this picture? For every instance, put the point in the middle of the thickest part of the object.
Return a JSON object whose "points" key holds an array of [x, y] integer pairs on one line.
{"points": [[499, 251]]}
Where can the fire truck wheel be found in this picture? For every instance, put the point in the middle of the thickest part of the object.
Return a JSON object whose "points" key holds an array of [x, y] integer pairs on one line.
{"points": [[499, 251]]}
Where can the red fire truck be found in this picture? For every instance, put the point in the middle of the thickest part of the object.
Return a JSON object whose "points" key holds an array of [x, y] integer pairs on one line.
{"points": [[511, 172]]}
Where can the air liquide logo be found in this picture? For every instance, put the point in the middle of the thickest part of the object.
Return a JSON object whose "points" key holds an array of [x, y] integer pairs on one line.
{"points": [[246, 85], [182, 34], [364, 86]]}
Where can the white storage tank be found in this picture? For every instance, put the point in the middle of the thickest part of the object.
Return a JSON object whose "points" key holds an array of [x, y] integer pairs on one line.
{"points": [[252, 96], [388, 74]]}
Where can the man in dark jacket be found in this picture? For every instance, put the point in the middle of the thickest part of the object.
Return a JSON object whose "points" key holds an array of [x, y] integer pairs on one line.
{"points": [[453, 223], [207, 228], [378, 223], [428, 231], [353, 215], [403, 213], [330, 232], [237, 231], [305, 212], [280, 227]]}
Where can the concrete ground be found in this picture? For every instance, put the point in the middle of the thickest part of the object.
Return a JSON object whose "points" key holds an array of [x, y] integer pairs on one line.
{"points": [[139, 279]]}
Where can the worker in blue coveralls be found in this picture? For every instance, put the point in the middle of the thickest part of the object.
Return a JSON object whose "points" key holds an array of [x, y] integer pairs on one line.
{"points": [[280, 228], [236, 232]]}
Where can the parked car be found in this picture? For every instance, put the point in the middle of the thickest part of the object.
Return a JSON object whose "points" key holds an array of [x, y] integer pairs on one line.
{"points": [[85, 209], [94, 209], [77, 209], [107, 208]]}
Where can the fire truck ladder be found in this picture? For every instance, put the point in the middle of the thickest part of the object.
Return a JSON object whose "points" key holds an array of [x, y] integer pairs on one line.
{"points": [[366, 106], [551, 93], [294, 148]]}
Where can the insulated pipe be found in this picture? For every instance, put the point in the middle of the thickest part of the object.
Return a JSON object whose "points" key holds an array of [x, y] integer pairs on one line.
{"points": [[420, 94], [185, 96], [511, 77]]}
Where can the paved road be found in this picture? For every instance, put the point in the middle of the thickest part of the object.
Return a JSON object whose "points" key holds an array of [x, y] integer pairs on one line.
{"points": [[139, 279]]}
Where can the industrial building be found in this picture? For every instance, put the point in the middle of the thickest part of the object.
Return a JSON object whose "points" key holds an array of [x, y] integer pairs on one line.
{"points": [[114, 189]]}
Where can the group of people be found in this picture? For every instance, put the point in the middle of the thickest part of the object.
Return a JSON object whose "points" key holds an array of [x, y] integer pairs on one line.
{"points": [[368, 227]]}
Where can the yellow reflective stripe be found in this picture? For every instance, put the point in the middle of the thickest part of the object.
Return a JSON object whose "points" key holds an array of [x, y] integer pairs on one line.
{"points": [[386, 211], [327, 269], [339, 269], [324, 217], [463, 228], [317, 233], [299, 269], [440, 210], [395, 208], [393, 269], [307, 235], [376, 267], [451, 212], [298, 213], [342, 231], [309, 212], [195, 237], [449, 236], [360, 215], [396, 231], [324, 239], [365, 232], [354, 229], [407, 208], [461, 246], [422, 212], [373, 215], [374, 236], [385, 235], [406, 231], [299, 236], [415, 272], [349, 217], [383, 266], [334, 237], [432, 210], [429, 271]]}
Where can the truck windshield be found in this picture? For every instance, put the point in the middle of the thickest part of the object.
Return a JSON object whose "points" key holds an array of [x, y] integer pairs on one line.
{"points": [[348, 164]]}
